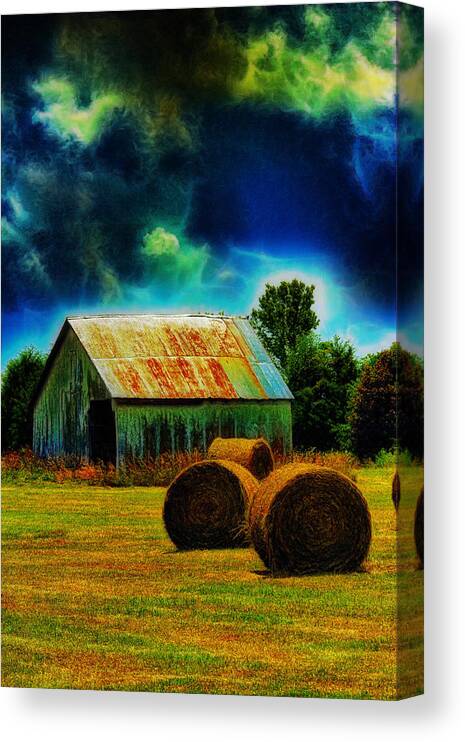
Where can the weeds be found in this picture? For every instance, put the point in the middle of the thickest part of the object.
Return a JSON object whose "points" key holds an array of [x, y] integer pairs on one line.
{"points": [[341, 461], [24, 466]]}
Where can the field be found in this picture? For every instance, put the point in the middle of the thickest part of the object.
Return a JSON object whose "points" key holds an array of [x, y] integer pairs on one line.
{"points": [[94, 595]]}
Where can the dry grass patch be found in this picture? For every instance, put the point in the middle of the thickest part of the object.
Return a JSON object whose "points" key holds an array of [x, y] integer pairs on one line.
{"points": [[96, 596]]}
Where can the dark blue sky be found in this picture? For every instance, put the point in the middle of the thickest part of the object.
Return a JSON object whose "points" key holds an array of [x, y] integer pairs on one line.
{"points": [[179, 160]]}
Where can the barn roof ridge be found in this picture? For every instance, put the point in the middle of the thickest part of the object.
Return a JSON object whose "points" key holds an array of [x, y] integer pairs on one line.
{"points": [[209, 315]]}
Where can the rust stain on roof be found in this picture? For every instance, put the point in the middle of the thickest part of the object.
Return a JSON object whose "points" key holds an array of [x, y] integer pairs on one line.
{"points": [[179, 357]]}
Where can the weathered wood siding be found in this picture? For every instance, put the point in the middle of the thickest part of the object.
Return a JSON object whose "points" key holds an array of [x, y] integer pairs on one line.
{"points": [[61, 414], [154, 429]]}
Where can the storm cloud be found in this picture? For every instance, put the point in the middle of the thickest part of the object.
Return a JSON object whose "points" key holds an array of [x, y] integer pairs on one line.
{"points": [[144, 152]]}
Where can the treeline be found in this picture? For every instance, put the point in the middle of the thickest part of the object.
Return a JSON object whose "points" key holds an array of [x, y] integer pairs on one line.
{"points": [[341, 402]]}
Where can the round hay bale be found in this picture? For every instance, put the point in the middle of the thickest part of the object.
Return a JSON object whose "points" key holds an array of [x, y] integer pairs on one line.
{"points": [[418, 531], [306, 519], [395, 491], [206, 506], [254, 454]]}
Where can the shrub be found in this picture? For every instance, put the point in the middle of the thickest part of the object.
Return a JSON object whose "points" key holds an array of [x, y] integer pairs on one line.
{"points": [[391, 459]]}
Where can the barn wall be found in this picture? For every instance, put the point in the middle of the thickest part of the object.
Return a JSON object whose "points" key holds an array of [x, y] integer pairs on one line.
{"points": [[155, 429], [61, 412]]}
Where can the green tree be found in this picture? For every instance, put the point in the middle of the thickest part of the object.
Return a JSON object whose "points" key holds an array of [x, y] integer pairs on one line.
{"points": [[321, 375], [306, 362], [387, 407], [18, 384], [345, 370], [342, 360], [283, 315]]}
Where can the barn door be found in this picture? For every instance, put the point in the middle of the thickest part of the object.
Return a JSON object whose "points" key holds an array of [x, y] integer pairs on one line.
{"points": [[102, 431]]}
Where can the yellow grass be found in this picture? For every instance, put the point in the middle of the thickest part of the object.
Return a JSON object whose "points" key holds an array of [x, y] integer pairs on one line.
{"points": [[96, 596]]}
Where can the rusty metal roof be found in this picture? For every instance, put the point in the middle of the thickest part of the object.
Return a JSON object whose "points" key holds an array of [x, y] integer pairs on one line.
{"points": [[163, 357]]}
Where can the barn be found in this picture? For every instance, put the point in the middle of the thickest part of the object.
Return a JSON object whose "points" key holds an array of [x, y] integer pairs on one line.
{"points": [[130, 386]]}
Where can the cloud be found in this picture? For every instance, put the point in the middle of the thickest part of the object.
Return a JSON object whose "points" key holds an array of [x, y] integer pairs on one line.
{"points": [[411, 88], [159, 71], [306, 77], [160, 243], [165, 67], [26, 256], [65, 118], [74, 220], [172, 260]]}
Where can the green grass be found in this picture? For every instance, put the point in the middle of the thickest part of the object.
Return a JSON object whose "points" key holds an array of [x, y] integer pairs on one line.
{"points": [[94, 595]]}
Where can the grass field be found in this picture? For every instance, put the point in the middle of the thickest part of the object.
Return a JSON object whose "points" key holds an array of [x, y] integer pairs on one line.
{"points": [[94, 595]]}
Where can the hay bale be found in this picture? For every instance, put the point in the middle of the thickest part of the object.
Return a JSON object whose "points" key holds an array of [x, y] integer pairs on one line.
{"points": [[206, 506], [395, 494], [253, 453], [306, 519], [418, 530]]}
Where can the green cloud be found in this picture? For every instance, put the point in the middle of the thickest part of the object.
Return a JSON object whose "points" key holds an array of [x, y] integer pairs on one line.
{"points": [[309, 78], [411, 63], [330, 58], [173, 260], [160, 243], [65, 118]]}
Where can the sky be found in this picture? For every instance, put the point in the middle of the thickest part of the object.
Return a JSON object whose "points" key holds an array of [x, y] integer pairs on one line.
{"points": [[176, 161]]}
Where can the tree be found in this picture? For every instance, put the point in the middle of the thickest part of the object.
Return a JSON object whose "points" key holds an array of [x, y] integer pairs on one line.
{"points": [[18, 384], [345, 371], [387, 408], [342, 360], [321, 376], [306, 362], [283, 315]]}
